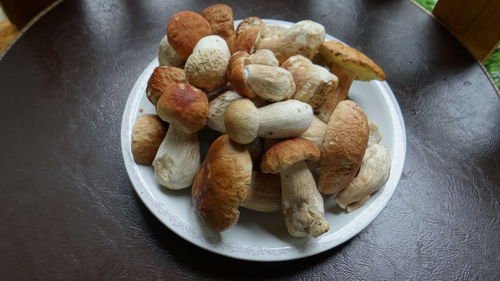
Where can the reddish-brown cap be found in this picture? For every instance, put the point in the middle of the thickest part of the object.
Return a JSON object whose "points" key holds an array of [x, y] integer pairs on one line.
{"points": [[344, 145], [222, 183], [162, 78], [288, 152], [185, 29], [149, 131], [236, 74], [184, 105]]}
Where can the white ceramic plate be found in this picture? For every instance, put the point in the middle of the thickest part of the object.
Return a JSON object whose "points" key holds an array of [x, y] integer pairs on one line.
{"points": [[261, 236]]}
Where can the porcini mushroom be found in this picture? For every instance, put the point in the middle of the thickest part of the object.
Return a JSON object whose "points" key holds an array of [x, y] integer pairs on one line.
{"points": [[162, 78], [167, 55], [374, 136], [302, 203], [147, 135], [218, 107], [248, 34], [186, 109], [347, 64], [313, 83], [315, 132], [344, 145], [269, 83], [213, 42], [264, 194], [373, 174], [222, 183], [220, 18], [285, 119], [302, 38], [242, 121], [264, 57], [185, 29], [271, 35]]}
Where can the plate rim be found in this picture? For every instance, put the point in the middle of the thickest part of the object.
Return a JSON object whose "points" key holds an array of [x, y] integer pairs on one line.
{"points": [[341, 235]]}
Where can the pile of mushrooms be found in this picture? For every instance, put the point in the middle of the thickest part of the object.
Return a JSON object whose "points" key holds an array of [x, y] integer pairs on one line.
{"points": [[279, 98]]}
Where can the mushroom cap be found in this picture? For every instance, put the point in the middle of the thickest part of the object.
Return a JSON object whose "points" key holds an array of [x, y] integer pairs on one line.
{"points": [[213, 42], [352, 59], [248, 40], [167, 55], [147, 135], [218, 107], [264, 56], [242, 121], [269, 82], [161, 79], [344, 145], [302, 38], [248, 23], [185, 29], [184, 105], [288, 152], [222, 183], [220, 18], [206, 69], [236, 72]]}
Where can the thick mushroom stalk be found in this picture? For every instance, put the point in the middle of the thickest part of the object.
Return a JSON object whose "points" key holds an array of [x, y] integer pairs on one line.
{"points": [[264, 194], [178, 158], [284, 119], [374, 173], [348, 64], [302, 203]]}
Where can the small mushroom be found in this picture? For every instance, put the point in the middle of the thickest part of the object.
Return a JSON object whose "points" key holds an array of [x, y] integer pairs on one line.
{"points": [[313, 82], [222, 183], [220, 18], [264, 57], [213, 42], [301, 201], [242, 121], [269, 82], [178, 158], [285, 119], [344, 145], [347, 64], [162, 78], [206, 69], [218, 107], [264, 194], [248, 34], [374, 173], [147, 135], [185, 29], [302, 38], [167, 55]]}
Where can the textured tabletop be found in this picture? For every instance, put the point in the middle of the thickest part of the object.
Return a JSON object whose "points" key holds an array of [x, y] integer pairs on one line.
{"points": [[69, 211]]}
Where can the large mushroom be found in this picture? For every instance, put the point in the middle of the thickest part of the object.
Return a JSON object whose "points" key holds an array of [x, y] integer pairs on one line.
{"points": [[186, 109], [302, 203], [373, 174], [313, 83], [286, 119], [347, 64], [222, 183], [344, 144]]}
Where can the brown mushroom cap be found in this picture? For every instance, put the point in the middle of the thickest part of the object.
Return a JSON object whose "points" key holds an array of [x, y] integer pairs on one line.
{"points": [[220, 17], [288, 152], [248, 40], [250, 22], [222, 183], [184, 105], [162, 78], [344, 145], [185, 29], [352, 59], [147, 135], [236, 72]]}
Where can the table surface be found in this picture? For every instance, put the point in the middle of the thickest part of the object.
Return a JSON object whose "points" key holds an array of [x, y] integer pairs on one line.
{"points": [[69, 212]]}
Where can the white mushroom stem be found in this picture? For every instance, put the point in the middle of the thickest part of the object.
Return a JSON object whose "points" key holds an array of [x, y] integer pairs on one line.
{"points": [[284, 119], [315, 132], [264, 194], [373, 174], [271, 83], [178, 159], [218, 107], [346, 77], [374, 136], [301, 202]]}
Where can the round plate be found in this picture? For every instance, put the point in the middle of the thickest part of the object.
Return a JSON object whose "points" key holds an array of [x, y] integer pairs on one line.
{"points": [[263, 236]]}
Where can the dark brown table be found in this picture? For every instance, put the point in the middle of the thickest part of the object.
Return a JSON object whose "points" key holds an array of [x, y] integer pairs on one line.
{"points": [[69, 212]]}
